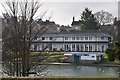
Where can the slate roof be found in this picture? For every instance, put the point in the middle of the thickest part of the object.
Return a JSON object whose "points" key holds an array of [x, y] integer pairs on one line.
{"points": [[78, 33]]}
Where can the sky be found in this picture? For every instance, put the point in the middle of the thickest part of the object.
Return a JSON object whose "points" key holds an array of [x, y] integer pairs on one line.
{"points": [[62, 11]]}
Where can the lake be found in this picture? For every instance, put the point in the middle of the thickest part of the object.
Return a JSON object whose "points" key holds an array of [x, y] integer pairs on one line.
{"points": [[78, 70]]}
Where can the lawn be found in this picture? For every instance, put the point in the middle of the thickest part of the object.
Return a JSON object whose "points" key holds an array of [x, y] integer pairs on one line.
{"points": [[52, 56]]}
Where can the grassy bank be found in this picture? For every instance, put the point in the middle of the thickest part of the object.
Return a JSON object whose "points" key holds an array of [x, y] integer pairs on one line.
{"points": [[61, 78]]}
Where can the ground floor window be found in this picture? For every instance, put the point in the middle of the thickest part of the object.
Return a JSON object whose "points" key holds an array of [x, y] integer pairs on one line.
{"points": [[77, 47], [86, 48], [73, 47]]}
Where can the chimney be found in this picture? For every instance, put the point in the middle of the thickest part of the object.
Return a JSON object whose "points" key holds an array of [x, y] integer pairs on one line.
{"points": [[115, 21], [73, 18]]}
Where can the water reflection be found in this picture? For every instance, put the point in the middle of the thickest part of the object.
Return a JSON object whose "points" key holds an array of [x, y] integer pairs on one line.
{"points": [[77, 70]]}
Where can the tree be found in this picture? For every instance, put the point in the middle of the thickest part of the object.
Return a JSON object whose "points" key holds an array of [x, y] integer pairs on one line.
{"points": [[114, 52], [117, 46], [88, 20], [103, 17], [19, 32], [111, 54]]}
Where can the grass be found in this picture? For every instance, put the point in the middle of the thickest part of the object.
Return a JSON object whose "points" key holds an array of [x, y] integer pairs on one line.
{"points": [[62, 78], [117, 61], [106, 61], [52, 56], [55, 59], [50, 53]]}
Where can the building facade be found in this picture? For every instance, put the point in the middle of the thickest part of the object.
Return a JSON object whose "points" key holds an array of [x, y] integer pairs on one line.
{"points": [[76, 25], [82, 45]]}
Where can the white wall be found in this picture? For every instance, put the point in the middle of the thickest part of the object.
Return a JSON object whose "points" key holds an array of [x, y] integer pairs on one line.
{"points": [[61, 38], [89, 57]]}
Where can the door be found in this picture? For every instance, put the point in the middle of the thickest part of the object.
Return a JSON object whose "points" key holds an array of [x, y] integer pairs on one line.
{"points": [[76, 58]]}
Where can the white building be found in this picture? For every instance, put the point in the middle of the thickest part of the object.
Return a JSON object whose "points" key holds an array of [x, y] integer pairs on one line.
{"points": [[82, 45]]}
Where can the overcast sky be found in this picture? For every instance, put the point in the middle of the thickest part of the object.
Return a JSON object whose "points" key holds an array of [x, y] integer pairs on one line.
{"points": [[61, 12]]}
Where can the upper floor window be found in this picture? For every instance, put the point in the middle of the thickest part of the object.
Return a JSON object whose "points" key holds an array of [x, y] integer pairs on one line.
{"points": [[82, 38], [90, 38], [73, 38], [43, 38], [86, 38], [102, 38], [50, 38], [77, 38], [66, 38]]}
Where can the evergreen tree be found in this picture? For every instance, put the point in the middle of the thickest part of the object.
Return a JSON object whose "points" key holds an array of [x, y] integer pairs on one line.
{"points": [[114, 52], [88, 20]]}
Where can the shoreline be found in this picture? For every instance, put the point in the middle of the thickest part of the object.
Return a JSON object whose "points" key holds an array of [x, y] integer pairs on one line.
{"points": [[83, 64]]}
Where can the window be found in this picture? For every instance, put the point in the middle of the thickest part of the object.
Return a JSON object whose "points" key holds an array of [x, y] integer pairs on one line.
{"points": [[86, 38], [67, 47], [73, 47], [109, 39], [86, 54], [81, 47], [43, 47], [90, 38], [82, 38], [35, 47], [77, 47], [50, 38], [86, 48], [102, 38], [50, 47], [90, 47], [66, 38], [43, 38], [73, 38], [77, 38], [102, 47], [93, 56]]}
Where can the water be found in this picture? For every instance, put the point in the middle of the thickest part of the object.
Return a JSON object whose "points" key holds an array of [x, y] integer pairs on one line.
{"points": [[77, 70]]}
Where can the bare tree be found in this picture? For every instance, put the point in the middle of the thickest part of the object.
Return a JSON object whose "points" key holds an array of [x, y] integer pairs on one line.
{"points": [[19, 32], [103, 17]]}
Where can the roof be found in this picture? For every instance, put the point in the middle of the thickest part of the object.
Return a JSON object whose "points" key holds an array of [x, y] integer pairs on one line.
{"points": [[78, 33], [76, 23], [47, 22]]}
